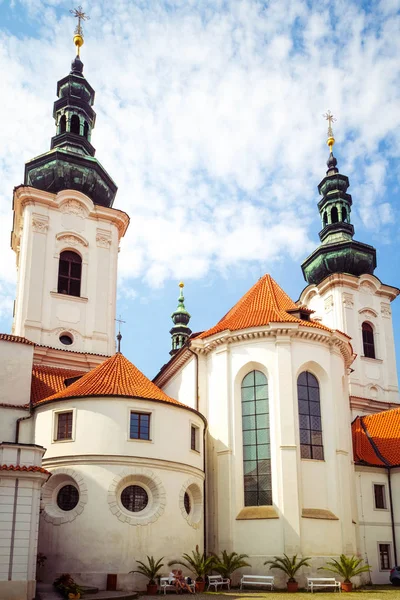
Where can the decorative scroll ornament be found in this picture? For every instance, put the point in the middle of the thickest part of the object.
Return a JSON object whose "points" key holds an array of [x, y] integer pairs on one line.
{"points": [[328, 304], [348, 300], [71, 239], [386, 311], [40, 224], [73, 207], [103, 238]]}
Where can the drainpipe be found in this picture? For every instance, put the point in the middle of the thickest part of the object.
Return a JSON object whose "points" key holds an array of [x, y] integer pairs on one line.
{"points": [[392, 516], [30, 415], [204, 450]]}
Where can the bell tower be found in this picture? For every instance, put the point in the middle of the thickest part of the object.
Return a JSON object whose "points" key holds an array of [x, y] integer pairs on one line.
{"points": [[66, 232]]}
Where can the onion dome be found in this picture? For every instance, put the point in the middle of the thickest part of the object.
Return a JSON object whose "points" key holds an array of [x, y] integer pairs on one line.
{"points": [[180, 332]]}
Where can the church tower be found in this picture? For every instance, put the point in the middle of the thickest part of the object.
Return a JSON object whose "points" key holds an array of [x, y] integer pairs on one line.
{"points": [[180, 332], [66, 232], [345, 294]]}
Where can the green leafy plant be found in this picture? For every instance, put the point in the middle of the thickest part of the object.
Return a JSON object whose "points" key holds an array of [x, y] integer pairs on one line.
{"points": [[226, 564], [67, 586], [198, 563], [151, 570], [347, 567], [289, 566]]}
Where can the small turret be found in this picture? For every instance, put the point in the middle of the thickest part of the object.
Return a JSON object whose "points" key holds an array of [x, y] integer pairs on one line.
{"points": [[180, 332]]}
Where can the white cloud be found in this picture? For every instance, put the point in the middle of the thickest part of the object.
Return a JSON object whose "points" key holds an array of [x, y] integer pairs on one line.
{"points": [[210, 120]]}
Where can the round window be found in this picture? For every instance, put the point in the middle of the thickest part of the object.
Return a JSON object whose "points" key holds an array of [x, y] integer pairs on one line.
{"points": [[67, 497], [134, 498], [66, 339], [186, 502]]}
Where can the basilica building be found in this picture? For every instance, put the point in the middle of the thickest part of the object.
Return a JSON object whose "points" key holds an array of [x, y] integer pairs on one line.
{"points": [[285, 415]]}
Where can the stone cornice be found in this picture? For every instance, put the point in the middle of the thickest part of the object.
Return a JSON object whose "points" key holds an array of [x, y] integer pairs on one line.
{"points": [[349, 281], [54, 357], [370, 405]]}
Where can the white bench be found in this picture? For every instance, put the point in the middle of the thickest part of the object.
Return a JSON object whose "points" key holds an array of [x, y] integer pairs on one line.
{"points": [[322, 582], [265, 580], [166, 585], [218, 581]]}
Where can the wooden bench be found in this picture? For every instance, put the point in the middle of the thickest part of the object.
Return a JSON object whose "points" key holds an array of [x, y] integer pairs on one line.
{"points": [[218, 581], [322, 582], [166, 585], [265, 580]]}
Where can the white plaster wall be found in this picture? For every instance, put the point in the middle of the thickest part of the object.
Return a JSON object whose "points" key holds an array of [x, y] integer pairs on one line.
{"points": [[101, 427], [51, 224], [375, 524], [184, 384], [344, 303], [15, 372]]}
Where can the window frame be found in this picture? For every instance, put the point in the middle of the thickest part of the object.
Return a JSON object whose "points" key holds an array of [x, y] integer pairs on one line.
{"points": [[133, 409], [311, 430], [56, 415], [254, 479], [370, 346], [69, 278], [196, 429], [389, 544], [385, 507]]}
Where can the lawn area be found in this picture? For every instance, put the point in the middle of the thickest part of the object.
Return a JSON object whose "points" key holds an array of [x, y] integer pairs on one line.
{"points": [[384, 592]]}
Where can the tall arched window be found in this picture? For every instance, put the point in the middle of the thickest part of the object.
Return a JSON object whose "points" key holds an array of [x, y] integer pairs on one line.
{"points": [[63, 124], [325, 219], [334, 215], [69, 273], [309, 417], [344, 214], [74, 127], [256, 440], [86, 130], [368, 340]]}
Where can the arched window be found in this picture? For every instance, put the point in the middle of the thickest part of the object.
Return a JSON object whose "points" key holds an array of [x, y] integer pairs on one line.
{"points": [[344, 214], [63, 124], [334, 215], [368, 340], [256, 440], [69, 273], [309, 417], [325, 219], [86, 130], [74, 128]]}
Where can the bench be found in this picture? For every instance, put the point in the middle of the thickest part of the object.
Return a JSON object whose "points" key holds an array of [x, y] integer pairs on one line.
{"points": [[265, 580], [322, 582], [218, 581], [166, 585]]}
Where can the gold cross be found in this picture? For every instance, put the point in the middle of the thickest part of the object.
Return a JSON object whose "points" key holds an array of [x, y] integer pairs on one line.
{"points": [[81, 16], [331, 119]]}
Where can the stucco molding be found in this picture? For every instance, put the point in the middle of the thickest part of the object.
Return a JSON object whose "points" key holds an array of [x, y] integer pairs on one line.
{"points": [[152, 484], [50, 510], [72, 239], [103, 238], [40, 223], [192, 488], [368, 313]]}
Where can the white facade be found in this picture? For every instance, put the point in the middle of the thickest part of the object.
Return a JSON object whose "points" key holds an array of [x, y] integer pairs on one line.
{"points": [[45, 225]]}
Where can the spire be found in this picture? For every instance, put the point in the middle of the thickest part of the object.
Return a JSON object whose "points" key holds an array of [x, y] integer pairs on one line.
{"points": [[180, 331], [338, 252], [70, 164]]}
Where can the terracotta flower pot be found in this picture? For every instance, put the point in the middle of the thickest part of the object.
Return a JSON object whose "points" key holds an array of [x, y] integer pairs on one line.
{"points": [[347, 586], [292, 586], [200, 585], [152, 589]]}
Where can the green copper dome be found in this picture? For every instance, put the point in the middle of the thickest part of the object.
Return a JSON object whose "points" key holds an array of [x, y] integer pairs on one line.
{"points": [[338, 251], [70, 163], [180, 332]]}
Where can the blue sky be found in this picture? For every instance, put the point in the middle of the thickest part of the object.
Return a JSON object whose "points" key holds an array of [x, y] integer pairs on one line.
{"points": [[209, 119]]}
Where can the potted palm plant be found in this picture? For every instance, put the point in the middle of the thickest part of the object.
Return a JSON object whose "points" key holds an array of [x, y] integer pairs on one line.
{"points": [[151, 570], [226, 564], [198, 563], [347, 567], [289, 566]]}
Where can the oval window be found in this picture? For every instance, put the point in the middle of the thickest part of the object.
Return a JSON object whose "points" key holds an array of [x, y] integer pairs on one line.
{"points": [[134, 498], [186, 502], [66, 339], [67, 497]]}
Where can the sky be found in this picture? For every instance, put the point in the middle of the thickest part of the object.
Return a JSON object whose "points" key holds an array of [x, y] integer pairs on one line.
{"points": [[210, 121]]}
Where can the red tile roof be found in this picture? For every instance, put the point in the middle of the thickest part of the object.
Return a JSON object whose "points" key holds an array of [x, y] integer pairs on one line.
{"points": [[18, 406], [47, 381], [264, 303], [376, 439], [24, 468], [116, 376], [15, 338]]}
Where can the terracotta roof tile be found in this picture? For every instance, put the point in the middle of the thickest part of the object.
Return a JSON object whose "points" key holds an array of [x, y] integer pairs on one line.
{"points": [[24, 468], [264, 303], [18, 406], [116, 376], [376, 438], [15, 338], [47, 381]]}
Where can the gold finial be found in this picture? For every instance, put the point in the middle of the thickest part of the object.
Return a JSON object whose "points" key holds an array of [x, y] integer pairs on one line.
{"points": [[78, 34], [331, 119], [181, 284]]}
